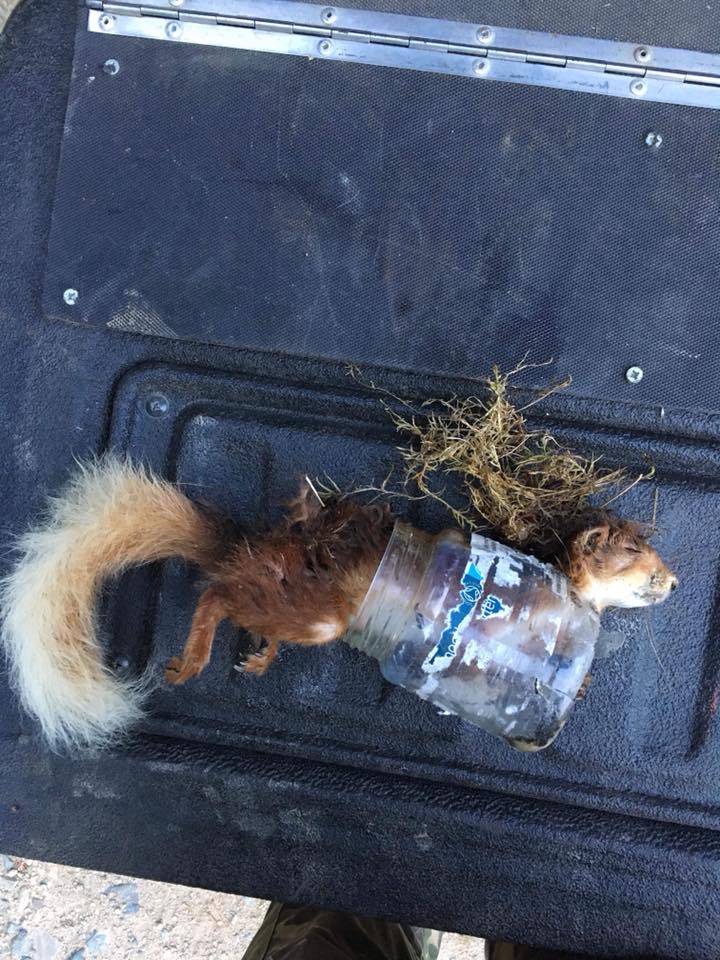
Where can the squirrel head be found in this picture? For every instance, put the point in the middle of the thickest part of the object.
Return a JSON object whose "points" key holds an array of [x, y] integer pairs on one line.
{"points": [[611, 564]]}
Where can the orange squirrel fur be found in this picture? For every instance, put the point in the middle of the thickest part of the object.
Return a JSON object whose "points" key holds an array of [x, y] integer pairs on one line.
{"points": [[300, 583]]}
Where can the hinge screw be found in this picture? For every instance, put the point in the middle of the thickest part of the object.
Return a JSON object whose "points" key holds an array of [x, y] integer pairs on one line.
{"points": [[481, 67], [325, 47], [638, 88], [70, 296], [173, 29], [634, 374], [111, 67], [328, 15], [485, 35], [643, 54], [653, 139], [107, 21]]}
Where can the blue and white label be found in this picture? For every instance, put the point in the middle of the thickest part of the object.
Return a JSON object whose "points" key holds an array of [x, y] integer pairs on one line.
{"points": [[458, 618], [471, 604], [493, 606]]}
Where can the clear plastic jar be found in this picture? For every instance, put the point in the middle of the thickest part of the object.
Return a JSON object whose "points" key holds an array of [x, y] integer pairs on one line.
{"points": [[479, 629]]}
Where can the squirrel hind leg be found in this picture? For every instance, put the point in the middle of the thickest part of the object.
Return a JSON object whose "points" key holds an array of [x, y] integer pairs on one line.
{"points": [[209, 613]]}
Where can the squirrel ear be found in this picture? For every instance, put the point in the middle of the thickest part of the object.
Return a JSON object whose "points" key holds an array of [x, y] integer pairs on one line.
{"points": [[593, 538]]}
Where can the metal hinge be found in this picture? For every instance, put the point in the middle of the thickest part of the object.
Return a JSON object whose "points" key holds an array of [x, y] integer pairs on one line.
{"points": [[637, 71]]}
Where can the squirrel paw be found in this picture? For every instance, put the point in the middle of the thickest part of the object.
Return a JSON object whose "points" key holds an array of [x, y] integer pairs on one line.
{"points": [[258, 663], [178, 670]]}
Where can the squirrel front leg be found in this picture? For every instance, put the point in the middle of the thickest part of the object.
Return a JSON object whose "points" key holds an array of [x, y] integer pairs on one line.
{"points": [[259, 662], [318, 634]]}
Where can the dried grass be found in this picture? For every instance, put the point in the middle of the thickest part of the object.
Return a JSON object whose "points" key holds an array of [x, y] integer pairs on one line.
{"points": [[521, 482]]}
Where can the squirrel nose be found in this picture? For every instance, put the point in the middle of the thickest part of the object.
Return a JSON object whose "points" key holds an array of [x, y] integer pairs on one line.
{"points": [[673, 583]]}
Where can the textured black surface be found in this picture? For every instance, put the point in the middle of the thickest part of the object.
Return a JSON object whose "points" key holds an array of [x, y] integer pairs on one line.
{"points": [[385, 216], [638, 746], [318, 783]]}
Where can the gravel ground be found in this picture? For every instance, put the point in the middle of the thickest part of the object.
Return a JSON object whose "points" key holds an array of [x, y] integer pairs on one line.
{"points": [[49, 912]]}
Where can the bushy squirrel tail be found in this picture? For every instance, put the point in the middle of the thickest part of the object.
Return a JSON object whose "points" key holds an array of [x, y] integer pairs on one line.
{"points": [[113, 515]]}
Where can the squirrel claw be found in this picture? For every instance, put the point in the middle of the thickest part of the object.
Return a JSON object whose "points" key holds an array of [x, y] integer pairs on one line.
{"points": [[178, 670]]}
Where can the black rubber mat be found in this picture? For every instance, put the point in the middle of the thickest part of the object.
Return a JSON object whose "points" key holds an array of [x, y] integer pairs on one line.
{"points": [[318, 783], [382, 216], [332, 704]]}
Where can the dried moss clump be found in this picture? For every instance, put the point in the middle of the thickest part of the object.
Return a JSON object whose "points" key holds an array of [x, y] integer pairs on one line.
{"points": [[521, 482]]}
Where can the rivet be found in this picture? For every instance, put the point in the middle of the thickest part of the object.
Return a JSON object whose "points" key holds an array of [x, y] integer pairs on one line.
{"points": [[643, 54], [480, 67], [638, 88], [653, 139], [173, 29], [106, 21], [157, 405], [634, 374], [485, 34], [328, 15], [111, 67], [325, 47], [70, 296]]}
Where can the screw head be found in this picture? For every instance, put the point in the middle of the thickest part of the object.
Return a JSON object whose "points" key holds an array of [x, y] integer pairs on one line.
{"points": [[485, 34], [653, 140], [157, 405], [173, 29], [111, 67], [70, 296], [481, 67], [634, 374], [638, 88], [325, 47], [643, 54], [328, 15], [107, 21]]}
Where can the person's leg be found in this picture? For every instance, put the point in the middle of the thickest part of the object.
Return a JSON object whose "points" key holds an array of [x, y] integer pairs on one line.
{"points": [[260, 943], [306, 933]]}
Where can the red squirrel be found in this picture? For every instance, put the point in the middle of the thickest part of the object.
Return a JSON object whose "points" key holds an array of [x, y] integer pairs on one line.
{"points": [[302, 582]]}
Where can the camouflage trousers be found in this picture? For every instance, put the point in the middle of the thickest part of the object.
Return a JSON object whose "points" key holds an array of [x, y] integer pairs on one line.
{"points": [[305, 933]]}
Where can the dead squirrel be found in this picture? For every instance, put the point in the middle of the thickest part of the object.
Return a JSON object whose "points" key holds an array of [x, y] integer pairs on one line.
{"points": [[300, 583]]}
